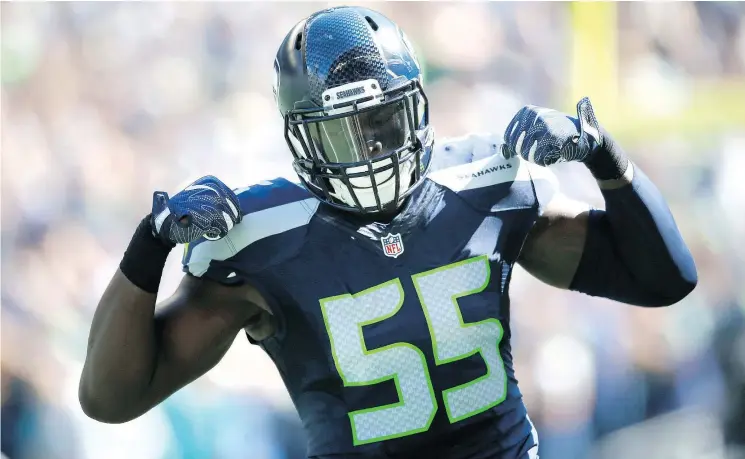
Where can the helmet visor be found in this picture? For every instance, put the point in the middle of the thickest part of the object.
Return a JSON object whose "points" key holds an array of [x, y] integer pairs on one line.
{"points": [[362, 135]]}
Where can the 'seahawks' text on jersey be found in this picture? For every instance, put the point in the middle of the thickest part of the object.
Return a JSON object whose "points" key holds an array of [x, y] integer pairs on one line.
{"points": [[394, 339]]}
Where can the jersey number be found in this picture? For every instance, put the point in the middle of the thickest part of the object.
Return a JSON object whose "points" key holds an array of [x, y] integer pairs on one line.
{"points": [[404, 363]]}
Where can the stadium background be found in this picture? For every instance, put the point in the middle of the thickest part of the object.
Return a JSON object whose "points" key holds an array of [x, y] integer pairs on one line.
{"points": [[102, 103]]}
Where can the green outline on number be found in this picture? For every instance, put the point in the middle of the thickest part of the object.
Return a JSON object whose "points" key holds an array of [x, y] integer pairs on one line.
{"points": [[454, 301], [365, 351]]}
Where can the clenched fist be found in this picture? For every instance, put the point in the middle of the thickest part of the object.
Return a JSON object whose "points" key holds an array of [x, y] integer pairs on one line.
{"points": [[206, 208], [544, 136]]}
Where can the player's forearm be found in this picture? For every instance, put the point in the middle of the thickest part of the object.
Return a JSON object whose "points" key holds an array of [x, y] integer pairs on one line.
{"points": [[122, 352], [122, 345], [634, 251]]}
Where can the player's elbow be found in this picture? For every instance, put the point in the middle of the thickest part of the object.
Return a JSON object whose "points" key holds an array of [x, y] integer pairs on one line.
{"points": [[98, 408], [100, 412], [682, 290], [686, 281], [675, 291]]}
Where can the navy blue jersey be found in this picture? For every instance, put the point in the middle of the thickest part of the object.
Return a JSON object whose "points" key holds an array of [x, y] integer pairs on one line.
{"points": [[393, 339]]}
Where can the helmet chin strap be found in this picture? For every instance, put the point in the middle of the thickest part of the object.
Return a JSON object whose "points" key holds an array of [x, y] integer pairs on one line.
{"points": [[363, 190]]}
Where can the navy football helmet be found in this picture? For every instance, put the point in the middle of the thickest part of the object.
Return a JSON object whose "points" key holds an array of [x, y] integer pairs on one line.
{"points": [[356, 119]]}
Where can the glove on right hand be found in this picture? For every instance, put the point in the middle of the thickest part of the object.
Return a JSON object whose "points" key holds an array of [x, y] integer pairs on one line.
{"points": [[206, 208]]}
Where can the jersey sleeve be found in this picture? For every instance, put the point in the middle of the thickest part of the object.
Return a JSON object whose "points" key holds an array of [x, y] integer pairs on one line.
{"points": [[275, 213], [545, 184]]}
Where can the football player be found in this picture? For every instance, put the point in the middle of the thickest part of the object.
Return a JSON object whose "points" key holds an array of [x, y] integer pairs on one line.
{"points": [[379, 288]]}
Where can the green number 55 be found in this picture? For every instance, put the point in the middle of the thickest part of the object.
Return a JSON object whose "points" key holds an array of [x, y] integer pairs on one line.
{"points": [[452, 339]]}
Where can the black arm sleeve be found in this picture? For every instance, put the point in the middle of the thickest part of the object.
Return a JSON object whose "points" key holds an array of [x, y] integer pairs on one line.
{"points": [[634, 252]]}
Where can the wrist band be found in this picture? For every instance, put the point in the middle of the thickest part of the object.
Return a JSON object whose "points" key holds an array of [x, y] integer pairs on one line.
{"points": [[608, 162], [145, 258]]}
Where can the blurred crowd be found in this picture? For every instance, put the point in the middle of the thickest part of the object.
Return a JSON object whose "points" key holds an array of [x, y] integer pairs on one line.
{"points": [[102, 103]]}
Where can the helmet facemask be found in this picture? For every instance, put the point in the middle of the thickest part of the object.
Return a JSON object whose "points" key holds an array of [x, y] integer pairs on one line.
{"points": [[366, 149]]}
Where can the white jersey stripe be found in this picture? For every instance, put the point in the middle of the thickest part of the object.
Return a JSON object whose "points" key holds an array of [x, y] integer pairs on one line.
{"points": [[252, 228]]}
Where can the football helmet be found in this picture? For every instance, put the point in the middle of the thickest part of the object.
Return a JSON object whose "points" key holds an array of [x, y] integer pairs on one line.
{"points": [[356, 119]]}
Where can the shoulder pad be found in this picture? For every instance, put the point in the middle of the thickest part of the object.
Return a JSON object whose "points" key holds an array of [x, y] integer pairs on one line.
{"points": [[269, 208], [270, 193], [466, 149], [476, 161], [486, 172]]}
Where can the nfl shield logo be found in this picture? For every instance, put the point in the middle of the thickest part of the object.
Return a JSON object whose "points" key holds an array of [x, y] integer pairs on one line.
{"points": [[393, 246]]}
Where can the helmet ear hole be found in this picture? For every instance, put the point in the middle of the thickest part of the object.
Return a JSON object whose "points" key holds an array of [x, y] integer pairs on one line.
{"points": [[372, 23], [299, 41]]}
